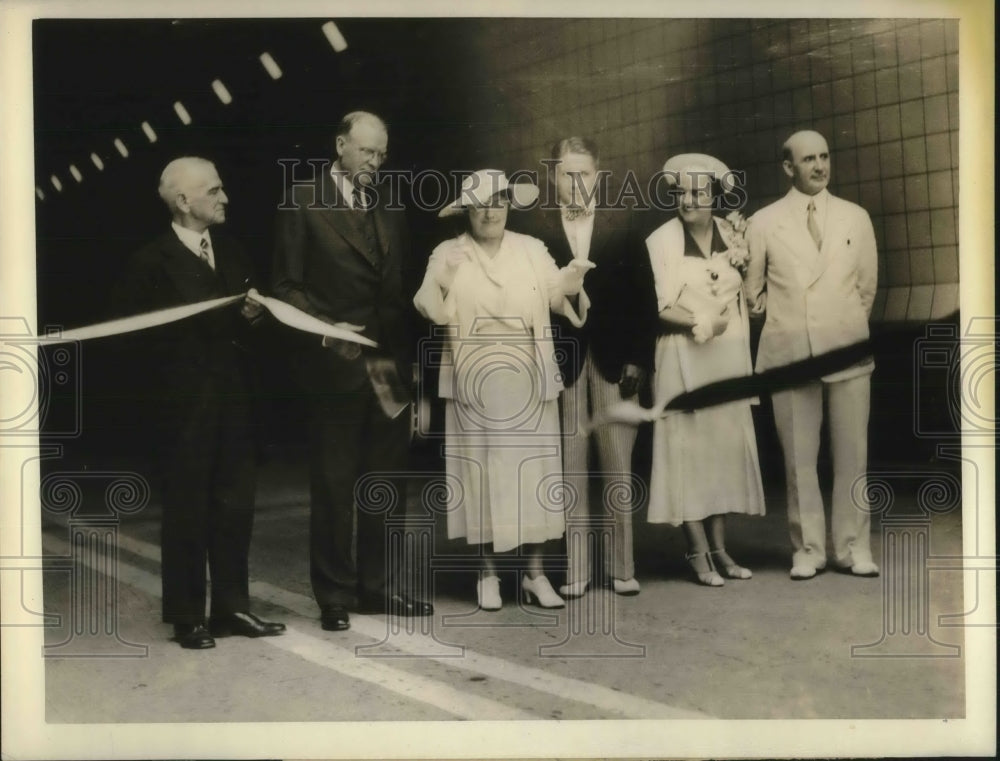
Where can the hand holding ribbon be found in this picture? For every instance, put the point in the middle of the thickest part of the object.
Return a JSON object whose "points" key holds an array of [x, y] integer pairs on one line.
{"points": [[283, 313], [571, 276]]}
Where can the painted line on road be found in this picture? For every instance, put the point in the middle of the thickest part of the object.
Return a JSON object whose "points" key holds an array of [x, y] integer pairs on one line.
{"points": [[422, 689], [565, 688], [336, 657], [619, 704]]}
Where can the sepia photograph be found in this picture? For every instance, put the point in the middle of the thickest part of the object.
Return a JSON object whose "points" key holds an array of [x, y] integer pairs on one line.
{"points": [[475, 381]]}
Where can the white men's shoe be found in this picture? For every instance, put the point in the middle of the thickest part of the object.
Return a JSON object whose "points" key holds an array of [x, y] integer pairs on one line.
{"points": [[625, 587], [864, 568], [803, 572]]}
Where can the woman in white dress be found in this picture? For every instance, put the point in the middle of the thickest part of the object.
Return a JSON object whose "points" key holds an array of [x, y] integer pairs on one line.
{"points": [[705, 461], [495, 288]]}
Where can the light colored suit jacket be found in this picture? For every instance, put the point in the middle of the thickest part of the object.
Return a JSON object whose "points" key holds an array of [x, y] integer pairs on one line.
{"points": [[817, 300], [460, 305]]}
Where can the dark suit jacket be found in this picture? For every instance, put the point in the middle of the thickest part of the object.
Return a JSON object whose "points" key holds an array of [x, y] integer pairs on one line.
{"points": [[613, 331], [194, 361], [323, 266]]}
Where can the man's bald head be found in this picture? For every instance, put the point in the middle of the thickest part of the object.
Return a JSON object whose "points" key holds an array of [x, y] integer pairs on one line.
{"points": [[802, 138], [362, 141], [358, 118], [806, 160], [191, 189]]}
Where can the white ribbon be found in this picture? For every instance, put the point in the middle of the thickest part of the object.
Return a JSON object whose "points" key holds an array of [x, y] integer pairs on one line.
{"points": [[295, 318], [284, 313], [138, 322], [625, 412]]}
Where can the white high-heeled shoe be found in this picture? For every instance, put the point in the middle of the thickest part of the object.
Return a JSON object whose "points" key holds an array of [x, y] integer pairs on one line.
{"points": [[576, 589], [488, 593], [709, 578], [733, 570], [541, 590]]}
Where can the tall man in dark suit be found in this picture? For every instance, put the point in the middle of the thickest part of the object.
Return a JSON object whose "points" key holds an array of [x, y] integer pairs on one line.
{"points": [[605, 358], [339, 256], [201, 373]]}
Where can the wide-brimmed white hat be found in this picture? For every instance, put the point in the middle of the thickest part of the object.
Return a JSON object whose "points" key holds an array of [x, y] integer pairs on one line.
{"points": [[700, 163], [481, 186]]}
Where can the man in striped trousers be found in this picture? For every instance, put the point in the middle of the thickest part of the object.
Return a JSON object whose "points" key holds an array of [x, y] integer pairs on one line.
{"points": [[602, 361]]}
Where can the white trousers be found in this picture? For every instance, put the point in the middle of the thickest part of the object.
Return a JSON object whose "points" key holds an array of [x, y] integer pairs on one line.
{"points": [[798, 415]]}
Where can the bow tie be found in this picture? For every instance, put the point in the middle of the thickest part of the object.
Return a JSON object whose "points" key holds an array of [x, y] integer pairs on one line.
{"points": [[575, 212]]}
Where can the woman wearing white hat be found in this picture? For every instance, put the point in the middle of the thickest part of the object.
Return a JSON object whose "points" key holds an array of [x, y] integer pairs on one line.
{"points": [[705, 461], [500, 379]]}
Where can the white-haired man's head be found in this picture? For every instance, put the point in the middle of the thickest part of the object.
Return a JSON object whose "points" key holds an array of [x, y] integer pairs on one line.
{"points": [[191, 188]]}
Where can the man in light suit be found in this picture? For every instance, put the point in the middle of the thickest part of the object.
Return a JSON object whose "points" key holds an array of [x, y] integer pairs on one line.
{"points": [[813, 269], [200, 382], [604, 361], [339, 256]]}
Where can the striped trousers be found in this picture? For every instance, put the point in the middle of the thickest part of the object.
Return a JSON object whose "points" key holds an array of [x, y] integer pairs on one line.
{"points": [[608, 533]]}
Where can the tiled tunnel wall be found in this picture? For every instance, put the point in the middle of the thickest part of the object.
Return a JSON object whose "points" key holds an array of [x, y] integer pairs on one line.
{"points": [[883, 91]]}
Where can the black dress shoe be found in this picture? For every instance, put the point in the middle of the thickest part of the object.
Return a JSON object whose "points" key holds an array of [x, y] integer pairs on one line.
{"points": [[334, 618], [193, 636], [244, 625], [395, 605]]}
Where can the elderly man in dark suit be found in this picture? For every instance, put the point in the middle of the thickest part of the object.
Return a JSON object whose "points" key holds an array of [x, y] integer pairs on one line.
{"points": [[201, 376], [339, 256], [604, 359]]}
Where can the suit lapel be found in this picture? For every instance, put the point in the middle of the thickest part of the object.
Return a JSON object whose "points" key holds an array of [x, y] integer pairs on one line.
{"points": [[228, 270], [554, 235], [193, 278], [836, 219], [602, 231], [381, 230], [344, 221], [795, 236]]}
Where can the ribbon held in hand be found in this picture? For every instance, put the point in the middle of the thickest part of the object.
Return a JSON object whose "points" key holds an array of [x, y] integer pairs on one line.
{"points": [[628, 412], [571, 276], [295, 318], [283, 313], [139, 321]]}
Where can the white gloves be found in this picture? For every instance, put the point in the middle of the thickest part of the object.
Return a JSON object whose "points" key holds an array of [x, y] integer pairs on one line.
{"points": [[454, 255], [571, 276], [707, 326]]}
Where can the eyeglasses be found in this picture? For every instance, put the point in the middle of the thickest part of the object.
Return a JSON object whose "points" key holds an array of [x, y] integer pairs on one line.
{"points": [[368, 154]]}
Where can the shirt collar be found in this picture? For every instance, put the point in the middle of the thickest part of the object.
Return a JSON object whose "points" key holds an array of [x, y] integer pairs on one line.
{"points": [[190, 238], [345, 186], [801, 200]]}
